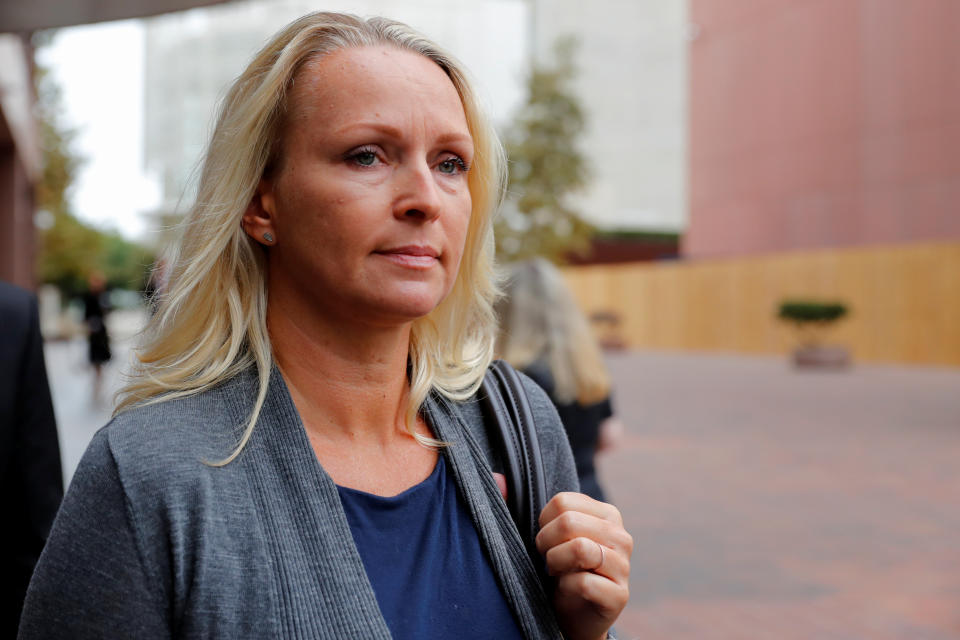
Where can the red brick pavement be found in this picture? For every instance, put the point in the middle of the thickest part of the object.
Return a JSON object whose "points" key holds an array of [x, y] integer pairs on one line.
{"points": [[770, 503]]}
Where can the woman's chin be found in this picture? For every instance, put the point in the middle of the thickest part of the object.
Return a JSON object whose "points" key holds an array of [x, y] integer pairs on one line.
{"points": [[409, 312], [408, 307]]}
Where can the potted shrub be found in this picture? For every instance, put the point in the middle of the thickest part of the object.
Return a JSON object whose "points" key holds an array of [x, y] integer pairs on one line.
{"points": [[811, 319]]}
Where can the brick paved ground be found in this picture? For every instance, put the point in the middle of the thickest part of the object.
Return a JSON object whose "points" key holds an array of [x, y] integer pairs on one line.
{"points": [[771, 503]]}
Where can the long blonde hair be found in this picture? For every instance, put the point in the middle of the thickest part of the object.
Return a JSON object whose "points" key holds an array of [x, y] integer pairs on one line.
{"points": [[541, 322], [211, 321]]}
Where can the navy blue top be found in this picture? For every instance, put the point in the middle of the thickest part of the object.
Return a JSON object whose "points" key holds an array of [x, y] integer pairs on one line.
{"points": [[425, 562]]}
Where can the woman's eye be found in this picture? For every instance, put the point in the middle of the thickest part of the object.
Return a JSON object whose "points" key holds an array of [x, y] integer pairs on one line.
{"points": [[452, 165], [364, 158]]}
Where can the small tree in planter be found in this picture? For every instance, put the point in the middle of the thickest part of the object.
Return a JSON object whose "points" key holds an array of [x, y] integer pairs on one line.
{"points": [[811, 318]]}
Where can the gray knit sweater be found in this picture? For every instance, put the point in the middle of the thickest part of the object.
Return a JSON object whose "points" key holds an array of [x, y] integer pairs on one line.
{"points": [[151, 542]]}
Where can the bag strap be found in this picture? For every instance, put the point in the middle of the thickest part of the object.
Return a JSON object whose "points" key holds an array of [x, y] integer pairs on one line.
{"points": [[515, 436]]}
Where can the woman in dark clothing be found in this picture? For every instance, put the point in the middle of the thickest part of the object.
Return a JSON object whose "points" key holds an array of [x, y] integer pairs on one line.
{"points": [[544, 333], [583, 424], [95, 309]]}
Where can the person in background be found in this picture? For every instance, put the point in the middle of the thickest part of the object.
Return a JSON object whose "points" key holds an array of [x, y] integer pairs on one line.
{"points": [[96, 305], [31, 480], [544, 334], [300, 452]]}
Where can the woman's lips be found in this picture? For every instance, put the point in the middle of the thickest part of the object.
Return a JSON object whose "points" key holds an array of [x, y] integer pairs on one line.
{"points": [[412, 256]]}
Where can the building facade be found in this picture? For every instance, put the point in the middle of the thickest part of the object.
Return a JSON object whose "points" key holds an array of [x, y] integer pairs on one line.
{"points": [[20, 161], [20, 151], [823, 124], [632, 84], [192, 57]]}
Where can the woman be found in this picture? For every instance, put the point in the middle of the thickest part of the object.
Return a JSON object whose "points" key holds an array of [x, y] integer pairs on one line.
{"points": [[301, 453], [544, 333], [96, 305]]}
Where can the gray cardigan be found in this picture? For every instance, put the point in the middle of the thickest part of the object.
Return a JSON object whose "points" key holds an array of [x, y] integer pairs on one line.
{"points": [[151, 542]]}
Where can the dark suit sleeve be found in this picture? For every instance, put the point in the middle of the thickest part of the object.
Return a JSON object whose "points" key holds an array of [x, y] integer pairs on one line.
{"points": [[30, 469], [38, 455]]}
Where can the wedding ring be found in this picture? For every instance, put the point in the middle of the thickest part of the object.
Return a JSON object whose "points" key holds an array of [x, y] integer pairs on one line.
{"points": [[601, 557]]}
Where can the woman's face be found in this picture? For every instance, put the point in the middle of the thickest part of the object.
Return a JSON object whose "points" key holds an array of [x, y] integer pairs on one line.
{"points": [[369, 204]]}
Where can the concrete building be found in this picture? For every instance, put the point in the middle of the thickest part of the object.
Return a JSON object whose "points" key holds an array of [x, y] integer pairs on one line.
{"points": [[192, 57], [633, 85], [823, 124]]}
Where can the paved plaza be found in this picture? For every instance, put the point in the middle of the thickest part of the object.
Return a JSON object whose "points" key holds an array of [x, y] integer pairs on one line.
{"points": [[767, 502], [764, 502]]}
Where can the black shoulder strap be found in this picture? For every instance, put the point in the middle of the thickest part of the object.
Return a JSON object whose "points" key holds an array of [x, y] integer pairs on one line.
{"points": [[514, 434]]}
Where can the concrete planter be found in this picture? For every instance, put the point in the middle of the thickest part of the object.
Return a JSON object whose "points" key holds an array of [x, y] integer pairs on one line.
{"points": [[822, 357]]}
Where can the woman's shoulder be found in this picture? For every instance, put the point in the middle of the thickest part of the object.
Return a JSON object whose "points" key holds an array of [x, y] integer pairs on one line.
{"points": [[554, 446], [544, 412], [157, 462], [176, 434], [540, 403], [539, 372]]}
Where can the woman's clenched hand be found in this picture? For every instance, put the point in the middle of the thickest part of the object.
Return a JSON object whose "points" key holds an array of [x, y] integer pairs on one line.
{"points": [[588, 551]]}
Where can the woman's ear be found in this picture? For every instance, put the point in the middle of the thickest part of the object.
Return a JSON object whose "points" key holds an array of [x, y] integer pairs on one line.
{"points": [[258, 219]]}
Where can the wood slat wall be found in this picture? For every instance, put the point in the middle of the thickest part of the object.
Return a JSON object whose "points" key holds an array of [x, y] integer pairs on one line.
{"points": [[904, 301]]}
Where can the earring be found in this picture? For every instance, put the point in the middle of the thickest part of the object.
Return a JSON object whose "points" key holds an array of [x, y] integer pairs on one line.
{"points": [[268, 238]]}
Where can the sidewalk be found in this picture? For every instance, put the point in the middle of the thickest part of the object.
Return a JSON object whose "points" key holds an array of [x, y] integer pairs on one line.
{"points": [[70, 375], [770, 503]]}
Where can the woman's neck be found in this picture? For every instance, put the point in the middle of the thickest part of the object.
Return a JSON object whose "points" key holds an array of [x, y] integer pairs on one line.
{"points": [[349, 384], [346, 379]]}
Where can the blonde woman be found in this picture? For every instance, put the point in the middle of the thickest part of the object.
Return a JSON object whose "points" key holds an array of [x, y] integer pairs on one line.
{"points": [[300, 453], [544, 334]]}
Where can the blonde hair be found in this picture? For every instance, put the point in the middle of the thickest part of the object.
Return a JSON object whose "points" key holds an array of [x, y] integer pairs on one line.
{"points": [[541, 322], [211, 321]]}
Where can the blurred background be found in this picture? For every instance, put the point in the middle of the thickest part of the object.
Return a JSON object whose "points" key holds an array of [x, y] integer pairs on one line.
{"points": [[755, 203]]}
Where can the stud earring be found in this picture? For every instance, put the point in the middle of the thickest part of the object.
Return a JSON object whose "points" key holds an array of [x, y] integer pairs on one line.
{"points": [[268, 238]]}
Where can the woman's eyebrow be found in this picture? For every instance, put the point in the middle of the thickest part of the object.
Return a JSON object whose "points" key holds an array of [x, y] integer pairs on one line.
{"points": [[396, 133], [386, 129], [456, 138]]}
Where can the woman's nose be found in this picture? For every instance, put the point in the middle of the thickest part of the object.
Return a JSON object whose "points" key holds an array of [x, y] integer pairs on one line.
{"points": [[417, 195]]}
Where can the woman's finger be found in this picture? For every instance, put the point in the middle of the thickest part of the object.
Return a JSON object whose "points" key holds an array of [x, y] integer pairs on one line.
{"points": [[587, 604], [606, 596], [584, 554], [577, 524], [570, 501]]}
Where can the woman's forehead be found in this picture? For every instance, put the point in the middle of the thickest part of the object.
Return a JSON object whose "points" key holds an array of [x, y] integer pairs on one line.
{"points": [[382, 77]]}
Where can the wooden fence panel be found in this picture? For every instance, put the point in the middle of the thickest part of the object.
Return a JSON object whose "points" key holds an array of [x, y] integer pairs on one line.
{"points": [[904, 301]]}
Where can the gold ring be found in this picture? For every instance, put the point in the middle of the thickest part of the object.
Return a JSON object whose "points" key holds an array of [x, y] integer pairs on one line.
{"points": [[601, 557]]}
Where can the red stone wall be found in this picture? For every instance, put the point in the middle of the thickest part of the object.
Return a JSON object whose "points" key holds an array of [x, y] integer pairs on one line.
{"points": [[17, 232], [823, 123]]}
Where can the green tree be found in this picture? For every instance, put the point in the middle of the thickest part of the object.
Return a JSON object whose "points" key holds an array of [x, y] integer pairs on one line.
{"points": [[546, 167], [125, 264], [70, 250]]}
